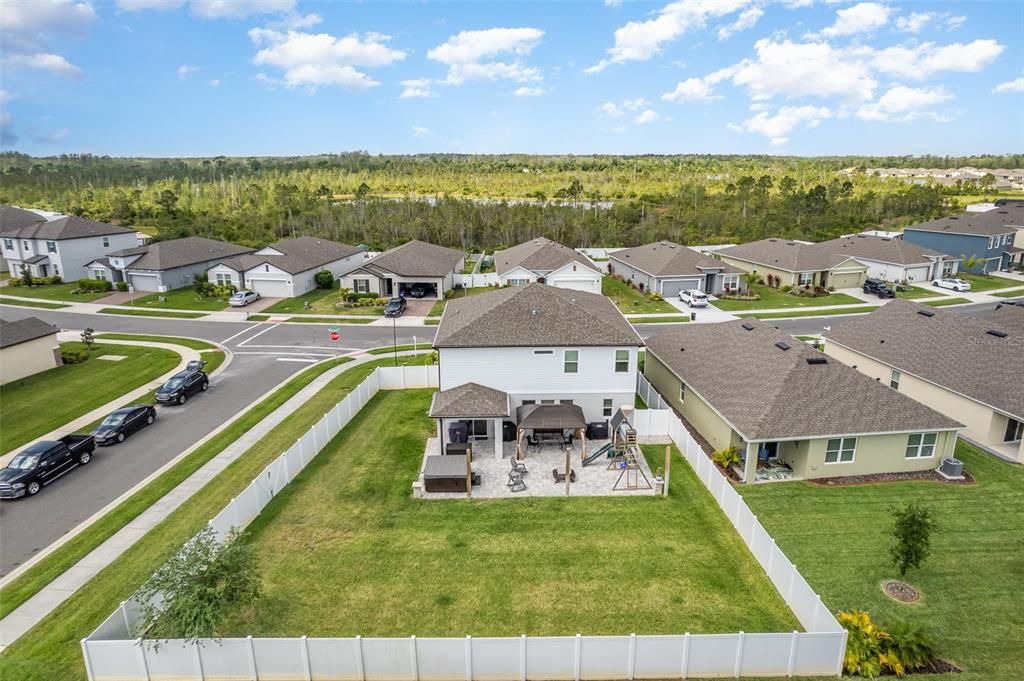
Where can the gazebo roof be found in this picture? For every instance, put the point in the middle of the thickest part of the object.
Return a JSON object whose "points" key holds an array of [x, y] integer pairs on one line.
{"points": [[550, 416], [470, 400]]}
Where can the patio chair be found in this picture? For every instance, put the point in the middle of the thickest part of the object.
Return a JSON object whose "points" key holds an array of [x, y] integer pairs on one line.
{"points": [[515, 482], [533, 442], [518, 467]]}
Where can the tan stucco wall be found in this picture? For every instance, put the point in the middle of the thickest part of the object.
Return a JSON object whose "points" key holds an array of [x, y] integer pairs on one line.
{"points": [[874, 454], [786, 278], [25, 359], [984, 425], [709, 424]]}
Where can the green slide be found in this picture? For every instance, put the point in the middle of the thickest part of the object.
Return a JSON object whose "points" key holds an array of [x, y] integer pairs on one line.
{"points": [[607, 449]]}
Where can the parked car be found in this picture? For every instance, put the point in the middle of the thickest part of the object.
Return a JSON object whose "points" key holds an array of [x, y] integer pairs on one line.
{"points": [[395, 307], [243, 298], [418, 291], [953, 284], [123, 422], [694, 298], [879, 288], [42, 463], [184, 384]]}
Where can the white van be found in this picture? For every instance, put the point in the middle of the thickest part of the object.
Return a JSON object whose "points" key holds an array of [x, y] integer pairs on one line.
{"points": [[694, 298]]}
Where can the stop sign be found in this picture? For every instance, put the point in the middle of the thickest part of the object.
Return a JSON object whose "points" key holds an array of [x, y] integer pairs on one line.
{"points": [[335, 336]]}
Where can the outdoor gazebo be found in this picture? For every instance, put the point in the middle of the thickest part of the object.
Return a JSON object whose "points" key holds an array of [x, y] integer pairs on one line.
{"points": [[549, 417], [471, 402]]}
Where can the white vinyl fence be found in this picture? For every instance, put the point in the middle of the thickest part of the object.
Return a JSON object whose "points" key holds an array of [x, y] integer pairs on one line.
{"points": [[477, 280], [111, 654], [651, 397]]}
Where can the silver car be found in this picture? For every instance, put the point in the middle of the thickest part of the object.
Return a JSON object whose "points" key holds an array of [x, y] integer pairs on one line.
{"points": [[694, 298], [243, 298]]}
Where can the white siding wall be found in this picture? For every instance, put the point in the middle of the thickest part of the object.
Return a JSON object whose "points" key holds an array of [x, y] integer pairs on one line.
{"points": [[74, 254], [271, 281], [580, 279], [236, 278]]}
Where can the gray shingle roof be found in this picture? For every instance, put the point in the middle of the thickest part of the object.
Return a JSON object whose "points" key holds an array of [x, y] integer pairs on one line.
{"points": [[24, 224], [948, 348], [24, 330], [539, 255], [881, 249], [534, 315], [192, 250], [1001, 220], [784, 254], [417, 259], [667, 259], [768, 393], [299, 255], [469, 400]]}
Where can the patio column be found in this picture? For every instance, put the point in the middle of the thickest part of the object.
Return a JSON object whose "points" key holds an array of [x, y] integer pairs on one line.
{"points": [[440, 435], [498, 450], [750, 469]]}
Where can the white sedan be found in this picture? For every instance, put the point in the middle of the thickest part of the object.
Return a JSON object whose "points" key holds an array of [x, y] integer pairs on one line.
{"points": [[953, 284], [243, 298]]}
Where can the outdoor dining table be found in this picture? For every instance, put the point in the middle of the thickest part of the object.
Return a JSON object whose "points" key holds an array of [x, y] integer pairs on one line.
{"points": [[539, 438]]}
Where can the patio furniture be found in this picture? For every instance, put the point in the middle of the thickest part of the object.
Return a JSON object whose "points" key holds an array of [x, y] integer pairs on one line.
{"points": [[518, 467], [560, 476], [515, 482], [447, 474], [463, 448]]}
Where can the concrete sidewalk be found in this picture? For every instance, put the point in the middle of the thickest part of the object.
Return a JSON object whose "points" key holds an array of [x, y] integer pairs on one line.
{"points": [[35, 609]]}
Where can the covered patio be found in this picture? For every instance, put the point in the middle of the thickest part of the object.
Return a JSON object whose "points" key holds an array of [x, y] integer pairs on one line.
{"points": [[482, 410]]}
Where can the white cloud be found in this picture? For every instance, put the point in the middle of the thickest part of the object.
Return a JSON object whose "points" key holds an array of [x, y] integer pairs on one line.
{"points": [[641, 40], [901, 103], [927, 59], [1015, 85], [746, 20], [635, 104], [312, 60], [647, 116], [239, 9], [5, 97], [54, 63], [954, 22], [184, 71], [214, 83], [159, 5], [914, 22], [777, 128], [612, 3], [35, 16], [417, 88], [466, 53], [691, 90], [42, 137], [529, 92], [861, 18], [610, 109], [420, 132]]}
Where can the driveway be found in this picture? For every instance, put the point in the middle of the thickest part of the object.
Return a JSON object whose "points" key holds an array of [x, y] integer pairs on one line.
{"points": [[259, 305], [417, 308]]}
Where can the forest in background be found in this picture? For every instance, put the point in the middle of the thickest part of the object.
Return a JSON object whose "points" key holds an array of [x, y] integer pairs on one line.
{"points": [[486, 202]]}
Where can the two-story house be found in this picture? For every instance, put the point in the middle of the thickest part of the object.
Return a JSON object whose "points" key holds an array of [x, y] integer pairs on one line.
{"points": [[988, 235], [56, 245], [532, 344]]}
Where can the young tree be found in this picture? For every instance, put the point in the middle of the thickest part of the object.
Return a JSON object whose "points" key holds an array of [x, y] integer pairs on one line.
{"points": [[970, 262], [88, 339], [26, 277], [324, 279], [912, 530], [751, 279]]}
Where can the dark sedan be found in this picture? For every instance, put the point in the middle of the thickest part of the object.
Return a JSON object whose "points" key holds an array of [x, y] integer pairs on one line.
{"points": [[123, 422], [183, 385], [395, 307]]}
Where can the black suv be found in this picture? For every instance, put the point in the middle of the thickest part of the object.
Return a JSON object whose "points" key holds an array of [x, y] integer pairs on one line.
{"points": [[395, 307], [123, 422], [183, 384], [418, 291], [42, 463], [879, 288]]}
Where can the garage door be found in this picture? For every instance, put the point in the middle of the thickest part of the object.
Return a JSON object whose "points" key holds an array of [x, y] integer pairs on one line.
{"points": [[591, 284], [849, 280], [271, 288], [671, 289], [918, 273], [144, 282]]}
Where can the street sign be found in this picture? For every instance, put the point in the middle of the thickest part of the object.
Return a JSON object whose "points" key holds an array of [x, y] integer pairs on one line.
{"points": [[335, 336]]}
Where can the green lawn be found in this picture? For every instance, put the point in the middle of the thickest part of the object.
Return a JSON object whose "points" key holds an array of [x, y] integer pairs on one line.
{"points": [[916, 292], [772, 298], [178, 299], [438, 307], [1011, 293], [425, 345], [259, 317], [136, 312], [193, 343], [394, 565], [35, 405], [431, 322], [55, 292], [971, 601], [942, 302], [321, 301], [331, 320], [863, 309], [4, 300], [629, 300], [989, 283], [661, 320]]}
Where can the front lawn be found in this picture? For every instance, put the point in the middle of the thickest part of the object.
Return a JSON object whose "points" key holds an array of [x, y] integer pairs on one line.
{"points": [[862, 309], [143, 312], [4, 300], [660, 320], [915, 292], [377, 562], [772, 298], [629, 300], [320, 300], [55, 292], [178, 299], [1011, 293], [942, 302], [35, 405], [987, 283], [971, 600]]}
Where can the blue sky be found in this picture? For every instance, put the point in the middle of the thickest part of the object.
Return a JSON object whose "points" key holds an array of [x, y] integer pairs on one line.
{"points": [[282, 77]]}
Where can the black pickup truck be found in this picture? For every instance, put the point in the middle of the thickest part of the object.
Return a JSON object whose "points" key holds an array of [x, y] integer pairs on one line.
{"points": [[44, 462]]}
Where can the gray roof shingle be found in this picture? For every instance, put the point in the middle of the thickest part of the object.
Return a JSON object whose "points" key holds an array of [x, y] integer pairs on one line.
{"points": [[470, 400], [784, 254], [417, 259], [23, 224], [667, 259], [534, 315], [539, 255], [1002, 220], [165, 255], [24, 330], [948, 348], [299, 255], [881, 249], [770, 393]]}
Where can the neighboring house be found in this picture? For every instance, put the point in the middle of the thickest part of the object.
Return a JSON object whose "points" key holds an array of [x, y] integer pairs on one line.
{"points": [[796, 263], [395, 271], [988, 235], [56, 245], [27, 346], [747, 385], [892, 259], [547, 262], [164, 265], [532, 344], [969, 368], [287, 268], [668, 268]]}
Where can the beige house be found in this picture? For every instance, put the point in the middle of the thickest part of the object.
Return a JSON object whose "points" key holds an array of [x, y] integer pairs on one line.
{"points": [[791, 411], [27, 346], [969, 368], [796, 263], [415, 269]]}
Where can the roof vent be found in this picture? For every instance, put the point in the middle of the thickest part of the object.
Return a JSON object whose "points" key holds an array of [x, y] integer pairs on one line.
{"points": [[534, 312], [782, 345], [997, 333], [926, 313], [748, 326], [817, 360], [682, 349]]}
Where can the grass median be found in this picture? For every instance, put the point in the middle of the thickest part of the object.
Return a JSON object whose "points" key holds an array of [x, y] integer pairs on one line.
{"points": [[659, 320], [4, 300], [132, 312], [863, 309]]}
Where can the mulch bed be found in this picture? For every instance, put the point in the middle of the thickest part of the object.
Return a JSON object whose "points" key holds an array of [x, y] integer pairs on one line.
{"points": [[929, 476], [900, 591]]}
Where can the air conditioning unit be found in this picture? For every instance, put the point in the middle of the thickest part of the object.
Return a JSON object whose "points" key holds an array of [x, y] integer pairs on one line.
{"points": [[952, 468]]}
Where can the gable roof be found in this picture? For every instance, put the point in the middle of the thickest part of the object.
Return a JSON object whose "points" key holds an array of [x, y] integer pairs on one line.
{"points": [[880, 249], [469, 400], [788, 255], [951, 349], [534, 315], [668, 259], [192, 250], [297, 255], [417, 259], [539, 255], [24, 224], [24, 330], [770, 393], [1001, 220]]}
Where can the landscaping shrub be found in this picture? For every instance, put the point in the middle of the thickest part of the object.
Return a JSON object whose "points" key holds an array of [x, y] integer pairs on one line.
{"points": [[122, 286], [872, 651], [353, 297], [55, 279], [787, 288], [93, 285], [655, 296], [15, 282], [324, 279], [73, 356], [726, 458], [207, 289]]}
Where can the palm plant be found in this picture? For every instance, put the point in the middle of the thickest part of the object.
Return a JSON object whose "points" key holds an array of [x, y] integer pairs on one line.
{"points": [[970, 262], [752, 279]]}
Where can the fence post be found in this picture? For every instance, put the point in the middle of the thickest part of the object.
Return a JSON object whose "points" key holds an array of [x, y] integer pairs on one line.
{"points": [[142, 659], [305, 659], [359, 658], [522, 658], [739, 656], [413, 658], [842, 652], [577, 654], [199, 661], [792, 585], [252, 659], [88, 661], [469, 658], [685, 667], [791, 665], [771, 555], [127, 624], [631, 669], [316, 447]]}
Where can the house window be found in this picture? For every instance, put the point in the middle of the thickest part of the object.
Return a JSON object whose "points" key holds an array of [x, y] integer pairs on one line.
{"points": [[547, 401], [921, 445], [543, 352], [806, 278], [361, 285], [478, 429], [525, 402], [99, 274], [518, 282], [606, 408], [565, 401], [572, 362], [106, 242], [24, 245], [1014, 430], [730, 282], [223, 279], [840, 450], [266, 268], [56, 270], [51, 246], [894, 379], [621, 361], [682, 391], [8, 244]]}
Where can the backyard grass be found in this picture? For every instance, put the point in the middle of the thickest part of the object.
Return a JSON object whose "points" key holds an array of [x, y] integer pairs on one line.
{"points": [[438, 307], [55, 292], [1011, 293], [135, 312], [660, 320], [772, 298], [942, 302], [179, 299], [971, 602], [987, 283], [916, 292], [395, 566], [4, 300], [863, 309], [37, 404], [629, 300]]}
